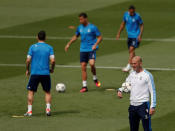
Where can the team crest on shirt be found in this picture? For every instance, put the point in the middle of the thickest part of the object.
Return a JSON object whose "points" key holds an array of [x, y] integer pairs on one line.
{"points": [[89, 30]]}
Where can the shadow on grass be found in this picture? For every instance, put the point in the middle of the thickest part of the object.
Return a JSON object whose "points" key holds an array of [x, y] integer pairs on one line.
{"points": [[102, 89], [57, 113]]}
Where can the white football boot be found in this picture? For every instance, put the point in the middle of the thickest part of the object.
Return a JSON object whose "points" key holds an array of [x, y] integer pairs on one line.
{"points": [[127, 68], [29, 113]]}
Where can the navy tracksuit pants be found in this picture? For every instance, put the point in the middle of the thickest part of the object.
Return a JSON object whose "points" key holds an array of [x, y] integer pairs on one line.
{"points": [[137, 113]]}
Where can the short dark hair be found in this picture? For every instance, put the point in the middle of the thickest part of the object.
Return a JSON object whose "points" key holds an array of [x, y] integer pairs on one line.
{"points": [[132, 7], [84, 15], [42, 35]]}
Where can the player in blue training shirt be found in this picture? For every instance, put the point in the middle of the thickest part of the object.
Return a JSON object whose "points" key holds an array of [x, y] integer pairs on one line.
{"points": [[40, 55], [90, 39], [134, 28]]}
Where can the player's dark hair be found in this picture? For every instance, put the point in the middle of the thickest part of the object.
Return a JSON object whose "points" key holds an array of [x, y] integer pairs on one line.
{"points": [[42, 35], [84, 15], [132, 7]]}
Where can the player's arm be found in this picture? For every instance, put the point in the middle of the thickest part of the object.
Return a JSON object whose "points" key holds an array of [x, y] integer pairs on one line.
{"points": [[28, 60], [99, 39], [52, 62], [122, 26], [152, 91], [73, 39], [141, 32], [140, 21]]}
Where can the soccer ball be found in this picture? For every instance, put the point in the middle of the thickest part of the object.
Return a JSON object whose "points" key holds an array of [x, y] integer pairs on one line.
{"points": [[126, 86], [60, 87]]}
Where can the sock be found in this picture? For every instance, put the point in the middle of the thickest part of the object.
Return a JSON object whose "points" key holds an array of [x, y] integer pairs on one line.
{"points": [[29, 108], [48, 105], [94, 77], [84, 83]]}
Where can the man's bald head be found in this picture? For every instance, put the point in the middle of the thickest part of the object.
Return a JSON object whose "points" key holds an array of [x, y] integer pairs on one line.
{"points": [[137, 59], [137, 63]]}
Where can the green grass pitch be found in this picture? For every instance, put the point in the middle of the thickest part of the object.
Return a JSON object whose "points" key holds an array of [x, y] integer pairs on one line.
{"points": [[97, 110]]}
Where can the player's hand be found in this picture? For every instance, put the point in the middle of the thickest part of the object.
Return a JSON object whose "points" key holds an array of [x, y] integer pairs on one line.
{"points": [[152, 111], [27, 73], [119, 94], [51, 71], [117, 36], [94, 47], [139, 38], [67, 47]]}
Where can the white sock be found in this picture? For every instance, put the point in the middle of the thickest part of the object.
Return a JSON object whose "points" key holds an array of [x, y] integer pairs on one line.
{"points": [[29, 108], [48, 105], [94, 77], [84, 83]]}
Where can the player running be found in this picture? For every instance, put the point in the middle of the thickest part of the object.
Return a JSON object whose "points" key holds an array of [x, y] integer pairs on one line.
{"points": [[40, 55], [90, 39], [142, 87], [134, 28]]}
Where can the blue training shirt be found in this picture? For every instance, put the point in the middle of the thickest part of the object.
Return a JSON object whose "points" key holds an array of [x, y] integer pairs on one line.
{"points": [[132, 24], [40, 54], [88, 35]]}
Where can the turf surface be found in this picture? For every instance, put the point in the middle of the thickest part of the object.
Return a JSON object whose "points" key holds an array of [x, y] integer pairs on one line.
{"points": [[97, 110]]}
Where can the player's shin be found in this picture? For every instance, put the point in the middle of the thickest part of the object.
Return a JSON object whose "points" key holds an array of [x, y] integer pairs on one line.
{"points": [[48, 103]]}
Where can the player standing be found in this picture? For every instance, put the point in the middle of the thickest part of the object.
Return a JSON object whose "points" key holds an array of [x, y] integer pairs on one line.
{"points": [[134, 28], [40, 55], [90, 39], [142, 86]]}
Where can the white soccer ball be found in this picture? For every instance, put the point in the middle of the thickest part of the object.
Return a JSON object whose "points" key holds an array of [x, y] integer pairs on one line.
{"points": [[126, 86], [60, 87]]}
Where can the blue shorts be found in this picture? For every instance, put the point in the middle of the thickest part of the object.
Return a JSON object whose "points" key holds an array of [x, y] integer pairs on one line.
{"points": [[36, 79], [86, 56], [133, 42]]}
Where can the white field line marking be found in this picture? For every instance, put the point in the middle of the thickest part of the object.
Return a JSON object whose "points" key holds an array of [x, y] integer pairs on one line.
{"points": [[104, 38], [99, 67]]}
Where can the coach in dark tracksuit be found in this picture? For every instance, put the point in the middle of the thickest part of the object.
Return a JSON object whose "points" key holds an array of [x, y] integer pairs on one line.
{"points": [[142, 87]]}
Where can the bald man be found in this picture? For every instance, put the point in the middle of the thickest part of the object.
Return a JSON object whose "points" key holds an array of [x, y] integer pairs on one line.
{"points": [[142, 87]]}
